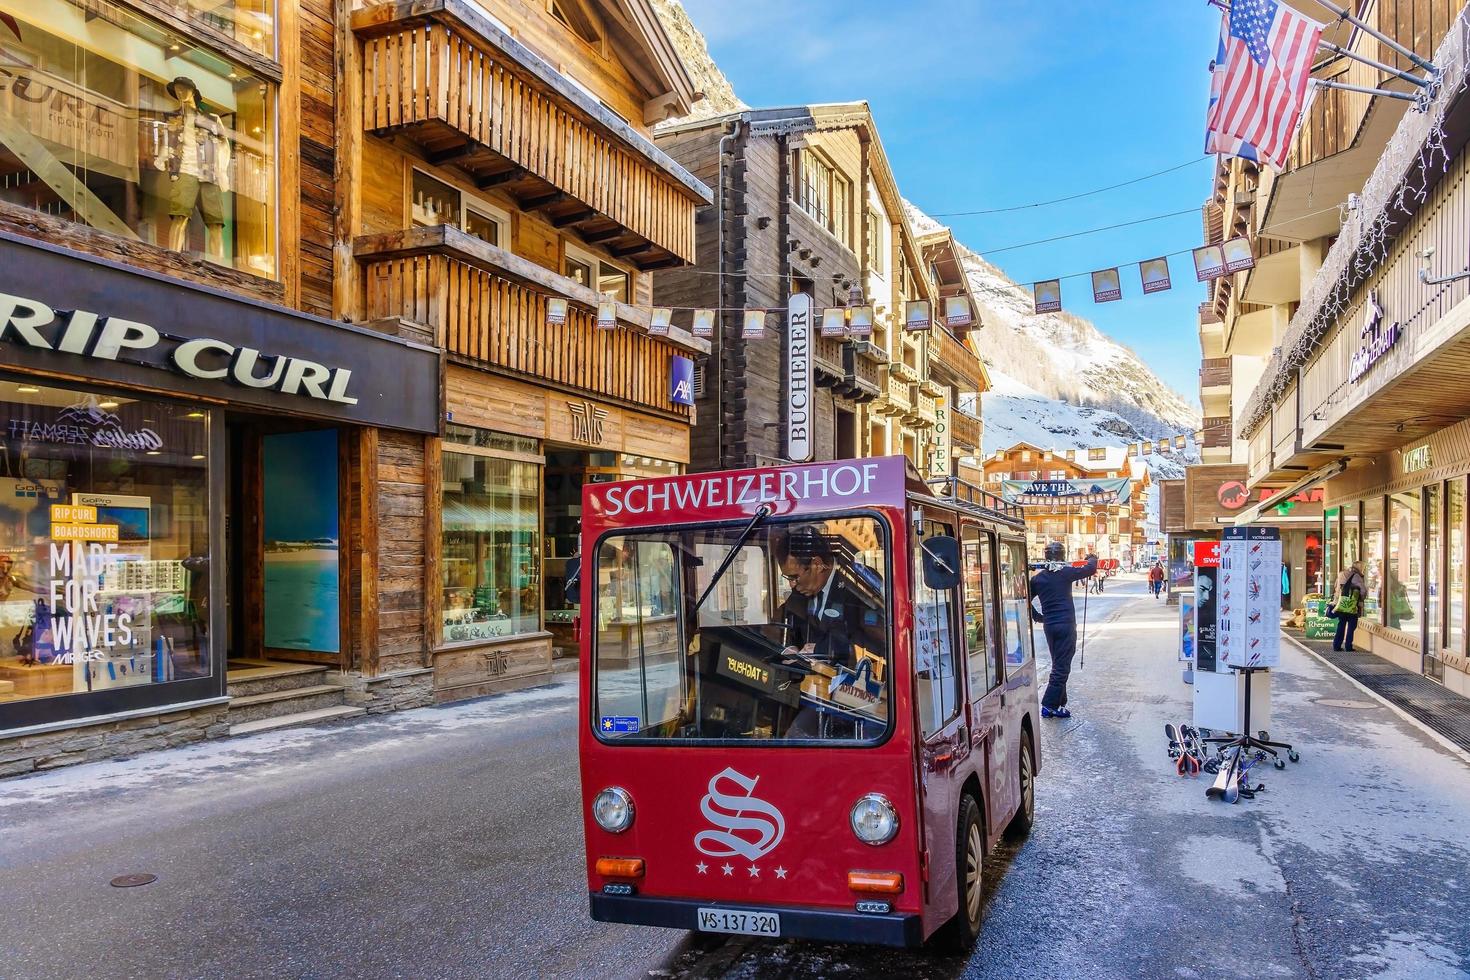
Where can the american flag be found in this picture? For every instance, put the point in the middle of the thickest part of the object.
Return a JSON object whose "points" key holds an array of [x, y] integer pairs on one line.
{"points": [[1260, 84]]}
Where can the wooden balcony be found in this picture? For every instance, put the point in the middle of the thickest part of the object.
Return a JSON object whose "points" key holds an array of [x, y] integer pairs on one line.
{"points": [[920, 414], [1217, 431], [863, 364], [952, 362], [1214, 372], [487, 307], [827, 357], [965, 431], [440, 74]]}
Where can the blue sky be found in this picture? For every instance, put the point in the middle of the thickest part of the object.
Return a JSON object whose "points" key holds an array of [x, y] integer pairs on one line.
{"points": [[993, 103]]}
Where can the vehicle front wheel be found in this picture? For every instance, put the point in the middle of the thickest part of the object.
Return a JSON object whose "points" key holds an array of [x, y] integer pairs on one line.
{"points": [[959, 934], [1025, 817]]}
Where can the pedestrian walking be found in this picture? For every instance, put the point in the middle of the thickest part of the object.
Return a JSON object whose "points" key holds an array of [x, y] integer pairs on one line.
{"points": [[1058, 618], [1349, 605], [1156, 579]]}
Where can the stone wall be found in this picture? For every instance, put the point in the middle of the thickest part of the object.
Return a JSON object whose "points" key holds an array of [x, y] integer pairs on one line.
{"points": [[398, 691], [110, 740]]}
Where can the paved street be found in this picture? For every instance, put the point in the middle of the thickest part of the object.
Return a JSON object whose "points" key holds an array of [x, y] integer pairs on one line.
{"points": [[282, 856]]}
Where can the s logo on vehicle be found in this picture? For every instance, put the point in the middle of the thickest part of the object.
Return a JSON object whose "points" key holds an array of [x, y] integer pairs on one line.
{"points": [[748, 826]]}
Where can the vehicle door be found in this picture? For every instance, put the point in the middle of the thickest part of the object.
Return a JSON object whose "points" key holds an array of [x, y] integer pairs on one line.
{"points": [[1018, 664], [986, 692], [938, 695]]}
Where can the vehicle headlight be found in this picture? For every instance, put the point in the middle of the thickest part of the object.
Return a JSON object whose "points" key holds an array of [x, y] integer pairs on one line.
{"points": [[613, 810], [874, 820]]}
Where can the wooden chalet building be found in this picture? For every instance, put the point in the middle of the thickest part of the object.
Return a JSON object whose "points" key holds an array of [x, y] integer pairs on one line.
{"points": [[806, 203], [289, 282]]}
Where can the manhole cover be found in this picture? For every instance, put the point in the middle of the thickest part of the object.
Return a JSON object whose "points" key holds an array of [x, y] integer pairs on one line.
{"points": [[133, 881], [1345, 703]]}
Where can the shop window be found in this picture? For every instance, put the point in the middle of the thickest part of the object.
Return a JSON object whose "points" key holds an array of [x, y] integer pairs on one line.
{"points": [[114, 122], [1373, 542], [250, 22], [1404, 568], [1433, 555], [490, 559], [1455, 553], [104, 543]]}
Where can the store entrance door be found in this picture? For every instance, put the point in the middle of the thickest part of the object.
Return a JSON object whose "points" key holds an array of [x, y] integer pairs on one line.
{"points": [[284, 527]]}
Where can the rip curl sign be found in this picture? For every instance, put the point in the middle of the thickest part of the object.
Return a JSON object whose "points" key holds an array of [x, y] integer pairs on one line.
{"points": [[748, 826]]}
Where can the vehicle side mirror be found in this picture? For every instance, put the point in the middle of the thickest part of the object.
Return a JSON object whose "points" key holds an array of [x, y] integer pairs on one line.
{"points": [[573, 584], [941, 562]]}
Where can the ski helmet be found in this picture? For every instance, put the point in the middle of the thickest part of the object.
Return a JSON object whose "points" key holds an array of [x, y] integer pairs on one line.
{"points": [[1055, 551]]}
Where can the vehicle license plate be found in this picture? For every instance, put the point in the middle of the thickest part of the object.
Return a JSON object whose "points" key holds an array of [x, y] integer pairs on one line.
{"points": [[740, 923]]}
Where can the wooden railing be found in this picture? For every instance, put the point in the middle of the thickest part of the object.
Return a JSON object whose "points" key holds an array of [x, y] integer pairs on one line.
{"points": [[865, 372], [1216, 432], [965, 429], [1214, 372], [1207, 315], [827, 352], [484, 306], [951, 356], [1259, 461], [440, 65]]}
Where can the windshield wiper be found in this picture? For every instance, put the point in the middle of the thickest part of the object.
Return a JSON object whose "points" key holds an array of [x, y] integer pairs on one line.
{"points": [[755, 522]]}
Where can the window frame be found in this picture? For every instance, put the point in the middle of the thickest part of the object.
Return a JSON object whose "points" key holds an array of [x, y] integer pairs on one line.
{"points": [[594, 264], [941, 525], [468, 202], [985, 540]]}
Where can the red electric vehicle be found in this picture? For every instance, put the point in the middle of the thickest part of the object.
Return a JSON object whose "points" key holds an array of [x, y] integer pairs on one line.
{"points": [[808, 700]]}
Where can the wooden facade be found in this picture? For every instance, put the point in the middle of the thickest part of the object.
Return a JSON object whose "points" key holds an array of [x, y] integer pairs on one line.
{"points": [[1110, 530]]}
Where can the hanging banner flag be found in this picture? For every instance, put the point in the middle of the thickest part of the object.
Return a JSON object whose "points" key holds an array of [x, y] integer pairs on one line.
{"points": [[1155, 274], [681, 380], [957, 312], [1263, 64], [799, 443], [755, 324], [1238, 254], [834, 321], [1209, 263], [659, 321], [1047, 296], [861, 324], [1106, 287], [704, 323], [556, 312], [916, 315], [1113, 491], [607, 314]]}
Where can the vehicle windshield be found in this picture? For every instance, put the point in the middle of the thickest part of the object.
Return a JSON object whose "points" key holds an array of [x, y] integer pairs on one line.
{"points": [[793, 643]]}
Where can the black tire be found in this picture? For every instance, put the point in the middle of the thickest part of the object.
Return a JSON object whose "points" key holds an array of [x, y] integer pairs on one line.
{"points": [[1025, 818], [957, 936]]}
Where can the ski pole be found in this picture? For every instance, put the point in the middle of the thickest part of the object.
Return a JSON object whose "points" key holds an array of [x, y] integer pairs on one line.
{"points": [[1082, 653]]}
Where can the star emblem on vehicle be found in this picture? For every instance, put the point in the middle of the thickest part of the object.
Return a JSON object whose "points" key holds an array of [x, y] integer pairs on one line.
{"points": [[701, 867], [754, 871], [728, 869], [780, 872]]}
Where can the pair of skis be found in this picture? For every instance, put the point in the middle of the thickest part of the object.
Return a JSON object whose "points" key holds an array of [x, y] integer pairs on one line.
{"points": [[1187, 750], [1233, 780]]}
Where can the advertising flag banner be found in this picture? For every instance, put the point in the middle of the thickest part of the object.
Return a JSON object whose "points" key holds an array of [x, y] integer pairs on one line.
{"points": [[1047, 296], [834, 321], [755, 324], [704, 323], [556, 312], [1205, 628], [659, 321], [916, 315], [681, 380], [1117, 490], [1106, 286], [957, 312], [1155, 274], [1239, 254], [1249, 602], [607, 315], [1209, 263], [861, 324]]}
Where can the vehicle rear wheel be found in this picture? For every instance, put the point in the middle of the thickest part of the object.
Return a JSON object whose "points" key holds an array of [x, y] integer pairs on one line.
{"points": [[1025, 817], [958, 935]]}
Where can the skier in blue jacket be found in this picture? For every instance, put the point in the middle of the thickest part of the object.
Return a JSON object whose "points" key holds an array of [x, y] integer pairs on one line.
{"points": [[1058, 618]]}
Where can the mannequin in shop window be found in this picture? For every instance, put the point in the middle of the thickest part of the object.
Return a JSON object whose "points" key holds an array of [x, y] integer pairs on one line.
{"points": [[189, 152]]}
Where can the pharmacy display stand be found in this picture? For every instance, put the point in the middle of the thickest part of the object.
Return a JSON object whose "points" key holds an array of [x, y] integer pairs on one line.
{"points": [[1247, 642]]}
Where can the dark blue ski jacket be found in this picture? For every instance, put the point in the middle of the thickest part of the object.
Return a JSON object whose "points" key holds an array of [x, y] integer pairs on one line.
{"points": [[1053, 586]]}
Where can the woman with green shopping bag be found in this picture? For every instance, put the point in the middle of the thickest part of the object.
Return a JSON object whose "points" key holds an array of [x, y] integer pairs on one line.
{"points": [[1349, 605]]}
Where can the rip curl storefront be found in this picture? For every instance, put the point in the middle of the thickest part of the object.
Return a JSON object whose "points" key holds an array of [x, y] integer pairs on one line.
{"points": [[183, 487]]}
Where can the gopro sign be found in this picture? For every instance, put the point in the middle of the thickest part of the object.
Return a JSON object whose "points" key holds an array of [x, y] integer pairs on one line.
{"points": [[681, 381]]}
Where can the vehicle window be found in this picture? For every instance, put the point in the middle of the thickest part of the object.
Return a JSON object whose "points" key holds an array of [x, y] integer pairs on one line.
{"points": [[979, 639], [935, 671], [791, 644], [1013, 592]]}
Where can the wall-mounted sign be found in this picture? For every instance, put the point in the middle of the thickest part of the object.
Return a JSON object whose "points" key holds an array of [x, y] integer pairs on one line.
{"points": [[939, 455], [587, 422], [799, 443], [681, 380], [1418, 458], [1377, 339], [1154, 273], [1106, 287], [69, 315], [1233, 495]]}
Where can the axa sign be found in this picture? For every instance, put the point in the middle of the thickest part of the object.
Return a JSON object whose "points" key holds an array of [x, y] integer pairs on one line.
{"points": [[743, 824], [681, 381], [32, 323]]}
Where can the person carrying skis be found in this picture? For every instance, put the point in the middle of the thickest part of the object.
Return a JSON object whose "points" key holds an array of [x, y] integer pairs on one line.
{"points": [[1156, 579], [1058, 618]]}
